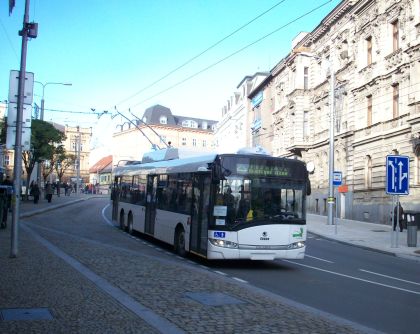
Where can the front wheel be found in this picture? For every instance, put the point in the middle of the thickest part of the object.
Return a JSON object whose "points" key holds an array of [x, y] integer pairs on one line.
{"points": [[180, 243]]}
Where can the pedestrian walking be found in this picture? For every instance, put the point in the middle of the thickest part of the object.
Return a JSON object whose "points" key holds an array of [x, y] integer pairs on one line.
{"points": [[35, 192], [48, 191], [398, 213], [58, 187]]}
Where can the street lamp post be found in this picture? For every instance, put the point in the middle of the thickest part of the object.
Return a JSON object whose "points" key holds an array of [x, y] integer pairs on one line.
{"points": [[38, 173], [43, 93], [331, 198], [78, 161]]}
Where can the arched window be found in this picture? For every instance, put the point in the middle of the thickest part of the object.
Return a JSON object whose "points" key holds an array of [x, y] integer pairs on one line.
{"points": [[368, 172]]}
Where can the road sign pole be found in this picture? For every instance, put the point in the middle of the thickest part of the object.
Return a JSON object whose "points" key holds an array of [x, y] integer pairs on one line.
{"points": [[17, 169]]}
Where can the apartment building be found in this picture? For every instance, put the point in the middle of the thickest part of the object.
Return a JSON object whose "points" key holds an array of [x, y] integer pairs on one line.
{"points": [[372, 48]]}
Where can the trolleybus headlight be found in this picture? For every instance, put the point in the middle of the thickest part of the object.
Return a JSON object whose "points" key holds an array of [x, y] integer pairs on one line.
{"points": [[298, 244], [223, 243]]}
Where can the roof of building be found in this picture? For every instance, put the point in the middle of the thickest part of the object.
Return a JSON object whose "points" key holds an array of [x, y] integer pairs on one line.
{"points": [[102, 166], [152, 115]]}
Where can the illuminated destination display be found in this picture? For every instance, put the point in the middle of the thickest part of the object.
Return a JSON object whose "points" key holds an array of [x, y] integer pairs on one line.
{"points": [[262, 170]]}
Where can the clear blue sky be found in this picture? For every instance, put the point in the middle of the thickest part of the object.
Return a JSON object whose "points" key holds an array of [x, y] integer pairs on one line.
{"points": [[110, 50]]}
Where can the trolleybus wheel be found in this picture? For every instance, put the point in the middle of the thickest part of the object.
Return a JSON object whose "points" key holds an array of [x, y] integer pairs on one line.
{"points": [[180, 242], [130, 224], [122, 221]]}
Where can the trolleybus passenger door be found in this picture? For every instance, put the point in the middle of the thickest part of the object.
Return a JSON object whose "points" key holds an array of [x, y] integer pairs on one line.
{"points": [[152, 182], [115, 197], [199, 214]]}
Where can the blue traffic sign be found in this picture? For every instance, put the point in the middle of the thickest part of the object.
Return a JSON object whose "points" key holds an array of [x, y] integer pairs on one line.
{"points": [[397, 174], [337, 178]]}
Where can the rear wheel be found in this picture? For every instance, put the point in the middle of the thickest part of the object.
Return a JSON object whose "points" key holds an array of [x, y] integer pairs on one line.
{"points": [[130, 224], [180, 242]]}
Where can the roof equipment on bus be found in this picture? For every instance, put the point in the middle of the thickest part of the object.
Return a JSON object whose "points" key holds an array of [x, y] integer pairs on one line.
{"points": [[253, 150]]}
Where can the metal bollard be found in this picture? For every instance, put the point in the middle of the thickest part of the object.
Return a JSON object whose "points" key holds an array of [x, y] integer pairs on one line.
{"points": [[411, 232]]}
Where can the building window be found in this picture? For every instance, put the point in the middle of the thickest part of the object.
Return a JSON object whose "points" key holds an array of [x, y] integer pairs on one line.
{"points": [[184, 141], [305, 77], [369, 110], [194, 142], [190, 124], [395, 36], [369, 50], [6, 160], [368, 172], [305, 124], [204, 125], [395, 100], [204, 143], [163, 120]]}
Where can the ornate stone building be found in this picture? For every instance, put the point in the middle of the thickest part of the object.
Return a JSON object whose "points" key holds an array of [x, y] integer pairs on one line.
{"points": [[373, 49]]}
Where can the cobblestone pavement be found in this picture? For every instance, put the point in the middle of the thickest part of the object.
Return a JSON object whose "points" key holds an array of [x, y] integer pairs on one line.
{"points": [[117, 284]]}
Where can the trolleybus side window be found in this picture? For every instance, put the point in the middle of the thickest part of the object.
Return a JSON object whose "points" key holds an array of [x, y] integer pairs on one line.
{"points": [[139, 190]]}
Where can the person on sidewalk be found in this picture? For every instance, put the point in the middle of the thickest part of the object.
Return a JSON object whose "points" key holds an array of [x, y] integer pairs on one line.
{"points": [[48, 191], [398, 213], [35, 192]]}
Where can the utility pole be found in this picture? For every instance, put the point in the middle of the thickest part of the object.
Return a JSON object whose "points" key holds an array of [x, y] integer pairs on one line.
{"points": [[42, 116], [331, 199], [28, 30], [78, 161]]}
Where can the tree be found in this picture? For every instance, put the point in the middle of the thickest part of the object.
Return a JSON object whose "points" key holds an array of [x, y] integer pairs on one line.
{"points": [[63, 161], [45, 141]]}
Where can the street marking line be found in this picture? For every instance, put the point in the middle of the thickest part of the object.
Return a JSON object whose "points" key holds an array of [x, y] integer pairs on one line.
{"points": [[105, 218], [353, 277], [152, 318], [239, 280], [391, 277], [220, 273], [318, 258]]}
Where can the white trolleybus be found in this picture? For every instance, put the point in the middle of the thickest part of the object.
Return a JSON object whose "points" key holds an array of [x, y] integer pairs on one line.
{"points": [[227, 206]]}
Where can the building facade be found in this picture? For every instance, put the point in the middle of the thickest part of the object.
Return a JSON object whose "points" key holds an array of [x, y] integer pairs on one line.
{"points": [[372, 47], [158, 128], [232, 131], [74, 136]]}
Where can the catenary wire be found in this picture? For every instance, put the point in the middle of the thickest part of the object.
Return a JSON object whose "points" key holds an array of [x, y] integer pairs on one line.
{"points": [[201, 53], [232, 54]]}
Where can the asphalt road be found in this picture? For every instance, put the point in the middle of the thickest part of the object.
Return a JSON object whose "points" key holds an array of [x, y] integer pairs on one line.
{"points": [[369, 288]]}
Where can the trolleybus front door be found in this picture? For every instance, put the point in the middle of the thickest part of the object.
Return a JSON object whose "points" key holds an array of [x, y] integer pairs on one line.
{"points": [[199, 215], [152, 182]]}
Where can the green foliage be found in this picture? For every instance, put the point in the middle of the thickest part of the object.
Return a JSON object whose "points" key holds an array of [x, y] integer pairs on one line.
{"points": [[3, 129], [46, 141], [63, 161]]}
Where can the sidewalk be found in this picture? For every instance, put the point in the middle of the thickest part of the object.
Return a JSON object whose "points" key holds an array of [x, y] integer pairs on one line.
{"points": [[28, 208], [367, 235]]}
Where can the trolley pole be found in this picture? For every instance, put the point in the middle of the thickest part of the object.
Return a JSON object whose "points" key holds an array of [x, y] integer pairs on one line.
{"points": [[17, 169]]}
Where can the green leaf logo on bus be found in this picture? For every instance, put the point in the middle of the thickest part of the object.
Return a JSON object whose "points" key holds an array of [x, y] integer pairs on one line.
{"points": [[298, 234]]}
